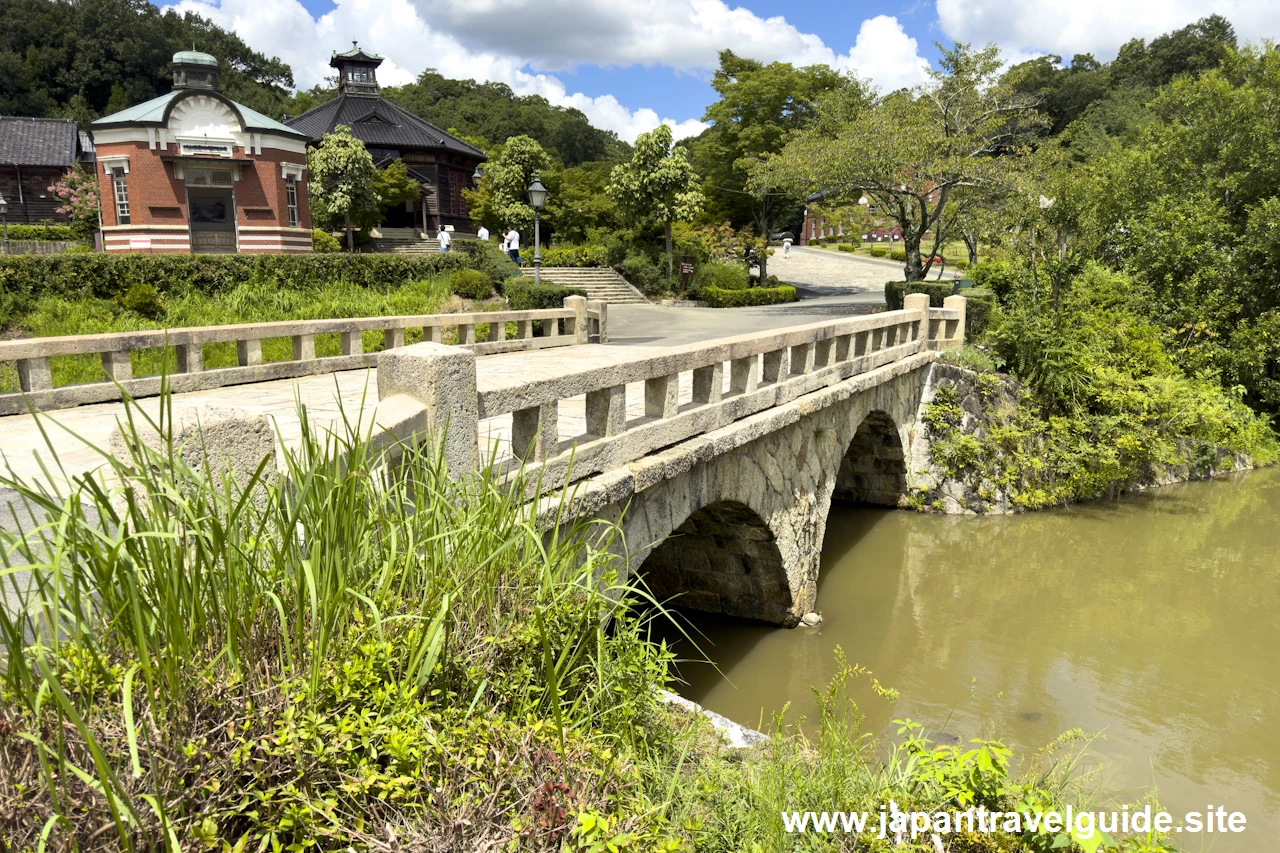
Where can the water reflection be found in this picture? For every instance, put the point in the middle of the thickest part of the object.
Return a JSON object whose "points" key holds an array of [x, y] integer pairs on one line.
{"points": [[1153, 620]]}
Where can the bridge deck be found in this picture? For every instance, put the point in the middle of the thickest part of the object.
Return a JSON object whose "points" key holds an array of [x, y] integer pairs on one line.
{"points": [[326, 398]]}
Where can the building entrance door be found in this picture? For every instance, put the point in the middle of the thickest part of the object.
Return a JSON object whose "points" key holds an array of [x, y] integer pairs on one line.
{"points": [[212, 219]]}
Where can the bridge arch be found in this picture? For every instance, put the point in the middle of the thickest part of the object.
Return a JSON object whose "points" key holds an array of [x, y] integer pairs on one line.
{"points": [[874, 468], [723, 558]]}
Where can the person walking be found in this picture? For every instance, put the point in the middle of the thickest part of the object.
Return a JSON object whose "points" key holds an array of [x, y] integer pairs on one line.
{"points": [[513, 246], [444, 239], [786, 246], [483, 234]]}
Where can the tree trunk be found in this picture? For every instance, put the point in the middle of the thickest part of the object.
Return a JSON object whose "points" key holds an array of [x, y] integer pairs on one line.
{"points": [[971, 243], [913, 269], [350, 237], [667, 229], [764, 263]]}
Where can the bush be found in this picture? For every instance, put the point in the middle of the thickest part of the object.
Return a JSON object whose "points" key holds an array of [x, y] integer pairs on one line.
{"points": [[489, 259], [24, 279], [721, 276], [979, 305], [847, 247], [898, 255], [471, 284], [877, 252], [142, 299], [42, 232], [571, 256], [717, 298], [323, 241], [642, 272], [894, 291], [960, 264], [1000, 275], [523, 295]]}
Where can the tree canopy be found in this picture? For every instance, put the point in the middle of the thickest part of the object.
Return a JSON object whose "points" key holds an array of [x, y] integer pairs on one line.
{"points": [[343, 182]]}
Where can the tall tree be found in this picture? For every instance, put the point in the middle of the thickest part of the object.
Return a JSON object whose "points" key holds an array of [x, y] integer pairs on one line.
{"points": [[342, 182], [914, 154], [502, 198], [658, 184]]}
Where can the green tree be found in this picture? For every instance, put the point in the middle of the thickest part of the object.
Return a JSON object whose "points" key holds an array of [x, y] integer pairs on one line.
{"points": [[394, 187], [915, 154], [579, 202], [502, 199], [343, 180], [658, 184]]}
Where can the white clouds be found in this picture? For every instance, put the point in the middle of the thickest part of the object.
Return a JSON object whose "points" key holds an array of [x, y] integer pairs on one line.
{"points": [[885, 54], [1067, 27], [501, 40]]}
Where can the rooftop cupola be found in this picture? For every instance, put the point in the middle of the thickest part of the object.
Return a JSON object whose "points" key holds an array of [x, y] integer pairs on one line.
{"points": [[357, 71], [194, 70]]}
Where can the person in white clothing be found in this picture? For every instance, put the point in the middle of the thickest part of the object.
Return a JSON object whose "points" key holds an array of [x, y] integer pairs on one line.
{"points": [[513, 245], [786, 246], [483, 234], [444, 239]]}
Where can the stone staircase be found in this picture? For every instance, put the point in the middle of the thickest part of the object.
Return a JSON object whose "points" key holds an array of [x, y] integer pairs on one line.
{"points": [[405, 241], [599, 283]]}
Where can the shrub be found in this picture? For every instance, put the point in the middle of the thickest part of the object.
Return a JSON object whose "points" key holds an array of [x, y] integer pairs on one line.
{"points": [[960, 264], [489, 259], [642, 272], [27, 278], [847, 247], [42, 232], [523, 295], [979, 305], [894, 291], [471, 284], [998, 274], [571, 256], [877, 252], [898, 255], [323, 241], [722, 276], [717, 298], [142, 298]]}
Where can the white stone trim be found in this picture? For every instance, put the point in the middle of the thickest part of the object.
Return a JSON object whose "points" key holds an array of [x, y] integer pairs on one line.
{"points": [[110, 228], [110, 161], [113, 135], [295, 169], [283, 229]]}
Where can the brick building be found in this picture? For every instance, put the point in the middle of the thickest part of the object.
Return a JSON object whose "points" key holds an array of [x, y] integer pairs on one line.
{"points": [[440, 162], [193, 171], [34, 153]]}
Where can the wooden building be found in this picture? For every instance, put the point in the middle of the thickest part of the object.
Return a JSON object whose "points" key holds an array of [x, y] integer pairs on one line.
{"points": [[439, 161], [34, 153], [193, 171]]}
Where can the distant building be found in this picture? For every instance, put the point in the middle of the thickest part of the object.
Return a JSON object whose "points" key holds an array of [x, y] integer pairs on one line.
{"points": [[193, 171], [34, 153], [439, 161]]}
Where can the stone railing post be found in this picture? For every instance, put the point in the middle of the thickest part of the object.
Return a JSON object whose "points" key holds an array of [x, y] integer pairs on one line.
{"points": [[601, 309], [955, 340], [577, 326], [920, 302], [443, 379]]}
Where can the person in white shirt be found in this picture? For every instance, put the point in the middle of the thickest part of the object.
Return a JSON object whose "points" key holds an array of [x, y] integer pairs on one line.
{"points": [[513, 245], [786, 246], [444, 238], [483, 234]]}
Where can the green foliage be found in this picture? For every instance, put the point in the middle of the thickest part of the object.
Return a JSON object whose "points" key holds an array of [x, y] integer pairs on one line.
{"points": [[717, 298], [342, 189], [895, 291], [877, 252], [897, 255], [501, 199], [579, 203], [643, 273], [323, 241], [394, 187], [77, 192], [42, 232], [142, 298], [847, 247], [471, 284], [721, 276], [523, 295], [571, 256], [980, 306], [25, 279]]}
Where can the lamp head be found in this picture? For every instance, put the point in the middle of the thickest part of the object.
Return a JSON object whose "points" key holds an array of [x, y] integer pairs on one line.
{"points": [[537, 193]]}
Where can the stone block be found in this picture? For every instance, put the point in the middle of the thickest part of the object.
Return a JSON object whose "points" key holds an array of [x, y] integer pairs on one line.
{"points": [[443, 379]]}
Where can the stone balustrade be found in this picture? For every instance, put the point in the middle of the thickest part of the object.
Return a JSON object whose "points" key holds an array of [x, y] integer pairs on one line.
{"points": [[579, 322], [732, 378]]}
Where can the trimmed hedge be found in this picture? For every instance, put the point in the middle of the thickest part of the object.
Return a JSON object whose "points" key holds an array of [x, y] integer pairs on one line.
{"points": [[26, 278], [898, 255], [323, 241], [43, 232], [471, 284], [570, 256], [523, 295], [877, 252], [894, 291], [847, 247], [717, 298], [979, 306]]}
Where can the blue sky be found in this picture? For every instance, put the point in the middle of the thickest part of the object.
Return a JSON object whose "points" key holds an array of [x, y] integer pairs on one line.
{"points": [[630, 64]]}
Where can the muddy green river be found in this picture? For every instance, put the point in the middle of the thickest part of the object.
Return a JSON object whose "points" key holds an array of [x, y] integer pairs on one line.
{"points": [[1154, 620]]}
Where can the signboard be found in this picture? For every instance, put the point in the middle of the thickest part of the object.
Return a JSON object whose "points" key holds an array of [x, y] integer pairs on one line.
{"points": [[219, 149], [139, 244], [686, 268]]}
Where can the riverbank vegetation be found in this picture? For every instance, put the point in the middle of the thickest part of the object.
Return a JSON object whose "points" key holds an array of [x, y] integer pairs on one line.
{"points": [[355, 655]]}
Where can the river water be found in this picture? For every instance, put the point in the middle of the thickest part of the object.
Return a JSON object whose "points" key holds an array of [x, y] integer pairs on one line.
{"points": [[1154, 620]]}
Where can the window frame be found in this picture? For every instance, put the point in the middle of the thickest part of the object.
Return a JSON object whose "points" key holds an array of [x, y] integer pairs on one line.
{"points": [[120, 194], [291, 201]]}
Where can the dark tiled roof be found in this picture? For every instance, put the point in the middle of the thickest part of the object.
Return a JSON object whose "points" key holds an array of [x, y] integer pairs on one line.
{"points": [[38, 141], [377, 123]]}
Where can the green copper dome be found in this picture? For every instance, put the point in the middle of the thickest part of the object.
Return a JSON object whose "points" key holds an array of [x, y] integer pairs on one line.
{"points": [[193, 57]]}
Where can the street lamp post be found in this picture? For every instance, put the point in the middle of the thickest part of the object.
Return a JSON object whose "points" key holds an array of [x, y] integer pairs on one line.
{"points": [[537, 198], [4, 215]]}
